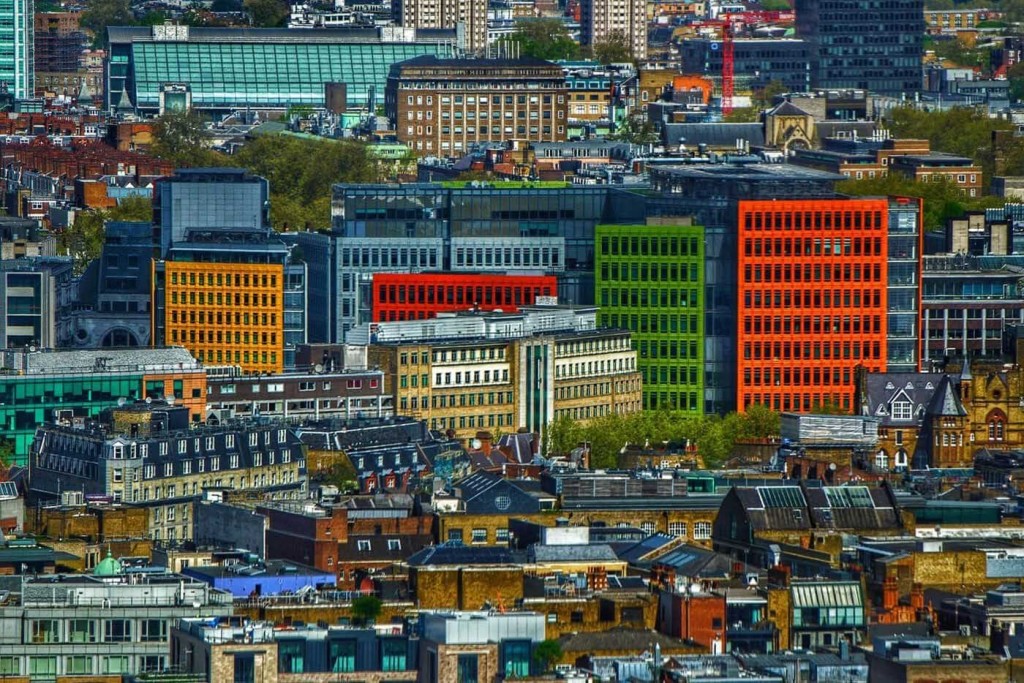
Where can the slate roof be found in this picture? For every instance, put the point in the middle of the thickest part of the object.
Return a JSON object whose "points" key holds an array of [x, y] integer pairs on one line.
{"points": [[787, 108], [795, 508], [646, 548], [945, 402], [380, 550], [697, 563], [882, 389], [518, 447], [712, 134], [571, 553], [458, 554], [488, 493]]}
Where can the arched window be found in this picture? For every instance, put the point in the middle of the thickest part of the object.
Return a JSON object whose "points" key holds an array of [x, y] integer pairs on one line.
{"points": [[881, 460], [996, 425]]}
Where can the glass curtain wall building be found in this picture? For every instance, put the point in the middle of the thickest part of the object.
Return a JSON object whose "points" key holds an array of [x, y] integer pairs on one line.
{"points": [[229, 68]]}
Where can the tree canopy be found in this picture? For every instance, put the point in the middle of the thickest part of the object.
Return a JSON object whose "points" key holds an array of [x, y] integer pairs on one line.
{"points": [[544, 39], [366, 609], [267, 13], [714, 436], [301, 174], [100, 14], [83, 240], [636, 129], [966, 131], [547, 654], [301, 171], [942, 198], [613, 49]]}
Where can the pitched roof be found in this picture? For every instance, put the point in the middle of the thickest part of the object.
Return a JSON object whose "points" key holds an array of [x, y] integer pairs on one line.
{"points": [[787, 108], [571, 553], [458, 554], [712, 134], [882, 389], [945, 402], [619, 639]]}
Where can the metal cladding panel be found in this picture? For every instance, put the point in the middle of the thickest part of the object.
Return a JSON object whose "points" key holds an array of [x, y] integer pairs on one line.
{"points": [[479, 628]]}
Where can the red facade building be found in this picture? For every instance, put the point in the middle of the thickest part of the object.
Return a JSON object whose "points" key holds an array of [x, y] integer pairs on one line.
{"points": [[418, 296], [812, 300]]}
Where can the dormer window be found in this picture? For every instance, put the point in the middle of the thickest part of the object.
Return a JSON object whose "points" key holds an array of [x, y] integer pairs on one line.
{"points": [[902, 410]]}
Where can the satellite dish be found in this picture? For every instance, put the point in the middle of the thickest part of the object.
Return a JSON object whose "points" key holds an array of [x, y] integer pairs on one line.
{"points": [[32, 349], [121, 401], [318, 368], [170, 400], [149, 400], [475, 443]]}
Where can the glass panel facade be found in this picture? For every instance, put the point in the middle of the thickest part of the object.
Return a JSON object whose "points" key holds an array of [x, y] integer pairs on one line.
{"points": [[228, 75]]}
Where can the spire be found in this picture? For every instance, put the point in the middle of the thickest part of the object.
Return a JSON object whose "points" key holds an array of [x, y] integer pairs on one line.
{"points": [[125, 102], [965, 371]]}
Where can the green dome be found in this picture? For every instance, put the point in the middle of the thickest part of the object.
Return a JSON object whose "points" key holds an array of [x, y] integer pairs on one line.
{"points": [[108, 566]]}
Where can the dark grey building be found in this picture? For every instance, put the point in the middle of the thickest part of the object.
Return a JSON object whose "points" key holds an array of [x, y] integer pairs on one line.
{"points": [[865, 44], [757, 62]]}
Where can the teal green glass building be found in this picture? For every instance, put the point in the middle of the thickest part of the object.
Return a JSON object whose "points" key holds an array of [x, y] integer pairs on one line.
{"points": [[229, 69], [650, 279], [17, 48]]}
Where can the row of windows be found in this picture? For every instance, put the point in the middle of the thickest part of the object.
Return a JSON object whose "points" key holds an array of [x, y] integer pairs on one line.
{"points": [[221, 337], [646, 272], [222, 318], [800, 402], [477, 377], [195, 488], [225, 280], [786, 247], [378, 257], [221, 356], [462, 355], [462, 294], [508, 257], [43, 666], [472, 99], [650, 246], [672, 400], [472, 421], [848, 272], [489, 398], [595, 367], [590, 346], [784, 324], [870, 350], [816, 377], [673, 348], [94, 631], [588, 412], [670, 375], [643, 322], [222, 299], [812, 220], [835, 298], [657, 298]]}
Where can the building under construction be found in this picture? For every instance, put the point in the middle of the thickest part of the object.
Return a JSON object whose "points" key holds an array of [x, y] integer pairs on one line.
{"points": [[60, 42]]}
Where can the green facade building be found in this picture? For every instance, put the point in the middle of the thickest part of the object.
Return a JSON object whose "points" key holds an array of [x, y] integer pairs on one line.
{"points": [[649, 279]]}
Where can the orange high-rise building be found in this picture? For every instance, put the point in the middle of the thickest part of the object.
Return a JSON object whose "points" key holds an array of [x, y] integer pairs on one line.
{"points": [[224, 313], [812, 300]]}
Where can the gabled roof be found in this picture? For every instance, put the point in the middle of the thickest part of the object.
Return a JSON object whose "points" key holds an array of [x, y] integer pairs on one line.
{"points": [[795, 508], [787, 108], [488, 493], [713, 134]]}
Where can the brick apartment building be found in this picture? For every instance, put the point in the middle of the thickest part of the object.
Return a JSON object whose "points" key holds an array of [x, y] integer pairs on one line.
{"points": [[444, 106]]}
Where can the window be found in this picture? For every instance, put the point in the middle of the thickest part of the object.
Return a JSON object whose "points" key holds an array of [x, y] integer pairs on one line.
{"points": [[115, 665], [455, 535], [342, 655], [118, 630], [245, 668], [677, 529], [479, 535], [81, 631], [42, 666], [648, 527], [394, 544], [153, 631], [392, 654], [701, 531], [78, 664], [363, 546], [291, 656], [881, 460], [10, 666], [468, 670], [501, 535], [902, 410], [516, 656], [45, 631]]}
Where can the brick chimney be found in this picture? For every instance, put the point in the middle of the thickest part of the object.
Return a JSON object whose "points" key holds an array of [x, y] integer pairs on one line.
{"points": [[917, 596], [890, 594], [485, 439], [597, 579]]}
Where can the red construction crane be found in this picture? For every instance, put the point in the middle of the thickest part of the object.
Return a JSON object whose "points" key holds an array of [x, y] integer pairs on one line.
{"points": [[727, 23]]}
